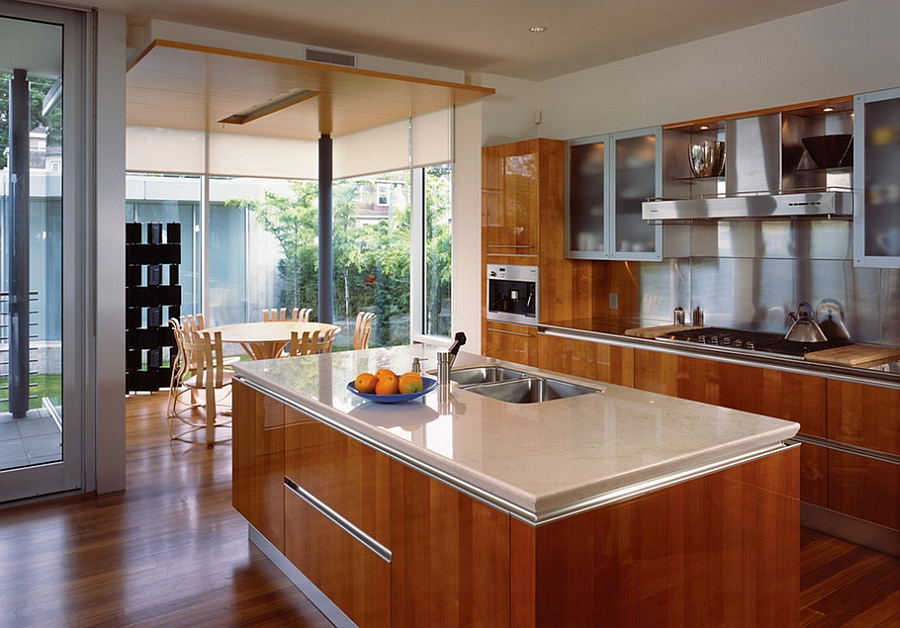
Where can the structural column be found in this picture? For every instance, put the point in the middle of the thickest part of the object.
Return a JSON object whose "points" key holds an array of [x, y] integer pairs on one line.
{"points": [[326, 227], [17, 229]]}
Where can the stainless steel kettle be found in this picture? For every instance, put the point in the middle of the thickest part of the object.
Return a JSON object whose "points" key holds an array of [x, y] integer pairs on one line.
{"points": [[805, 327], [831, 320]]}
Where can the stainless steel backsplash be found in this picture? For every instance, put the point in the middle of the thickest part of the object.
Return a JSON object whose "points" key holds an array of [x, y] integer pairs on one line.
{"points": [[751, 274]]}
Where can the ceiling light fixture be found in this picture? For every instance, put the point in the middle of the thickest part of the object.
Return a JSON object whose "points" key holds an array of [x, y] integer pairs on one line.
{"points": [[538, 29], [276, 103], [704, 127], [828, 109]]}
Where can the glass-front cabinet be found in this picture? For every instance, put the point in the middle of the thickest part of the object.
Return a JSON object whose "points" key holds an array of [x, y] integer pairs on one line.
{"points": [[607, 179], [876, 237]]}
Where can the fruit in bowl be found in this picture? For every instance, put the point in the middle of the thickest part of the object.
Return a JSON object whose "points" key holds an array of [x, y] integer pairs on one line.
{"points": [[385, 384]]}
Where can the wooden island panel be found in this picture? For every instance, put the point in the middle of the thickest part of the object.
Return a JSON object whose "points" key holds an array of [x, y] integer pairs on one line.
{"points": [[258, 461], [451, 562], [720, 550]]}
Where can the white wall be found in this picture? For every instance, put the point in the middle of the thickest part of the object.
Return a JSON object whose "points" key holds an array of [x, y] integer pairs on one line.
{"points": [[840, 50], [110, 259]]}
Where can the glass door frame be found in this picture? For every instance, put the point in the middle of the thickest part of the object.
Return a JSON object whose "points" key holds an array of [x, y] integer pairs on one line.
{"points": [[69, 473]]}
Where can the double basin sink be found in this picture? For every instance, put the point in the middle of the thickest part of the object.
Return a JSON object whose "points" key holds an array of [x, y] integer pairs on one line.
{"points": [[513, 386]]}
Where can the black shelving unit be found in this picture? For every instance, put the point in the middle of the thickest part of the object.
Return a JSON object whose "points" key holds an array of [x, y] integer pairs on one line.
{"points": [[152, 297]]}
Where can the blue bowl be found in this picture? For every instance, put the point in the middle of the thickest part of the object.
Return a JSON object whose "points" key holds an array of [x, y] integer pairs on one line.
{"points": [[427, 383]]}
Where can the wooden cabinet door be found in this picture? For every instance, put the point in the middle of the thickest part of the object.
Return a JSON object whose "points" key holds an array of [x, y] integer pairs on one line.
{"points": [[788, 396], [510, 197], [869, 417], [582, 358], [258, 461], [515, 343], [451, 556], [332, 474]]}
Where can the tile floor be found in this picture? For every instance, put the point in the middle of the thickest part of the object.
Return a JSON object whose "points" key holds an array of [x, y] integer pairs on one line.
{"points": [[34, 439]]}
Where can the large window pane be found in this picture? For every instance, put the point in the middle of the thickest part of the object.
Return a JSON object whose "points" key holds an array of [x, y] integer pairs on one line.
{"points": [[438, 203]]}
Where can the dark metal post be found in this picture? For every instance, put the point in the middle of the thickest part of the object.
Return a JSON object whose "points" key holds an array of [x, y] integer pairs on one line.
{"points": [[326, 254], [17, 230]]}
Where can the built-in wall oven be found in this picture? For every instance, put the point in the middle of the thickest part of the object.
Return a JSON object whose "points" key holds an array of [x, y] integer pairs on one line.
{"points": [[513, 293]]}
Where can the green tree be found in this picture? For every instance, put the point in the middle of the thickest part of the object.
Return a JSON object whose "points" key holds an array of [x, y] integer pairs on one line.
{"points": [[52, 121]]}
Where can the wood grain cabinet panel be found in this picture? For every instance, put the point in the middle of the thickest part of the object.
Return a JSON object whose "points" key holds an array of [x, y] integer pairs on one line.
{"points": [[351, 478], [515, 179], [505, 341], [582, 358], [864, 415], [788, 396], [450, 563], [864, 487], [258, 461], [721, 550], [353, 576]]}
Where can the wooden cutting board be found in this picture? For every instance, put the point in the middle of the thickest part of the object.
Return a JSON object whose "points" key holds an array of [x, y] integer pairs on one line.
{"points": [[856, 355], [659, 330]]}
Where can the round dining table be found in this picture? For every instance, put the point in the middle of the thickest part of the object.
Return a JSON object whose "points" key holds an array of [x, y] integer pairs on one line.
{"points": [[266, 340]]}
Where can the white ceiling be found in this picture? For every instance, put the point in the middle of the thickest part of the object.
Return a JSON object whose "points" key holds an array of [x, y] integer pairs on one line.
{"points": [[477, 35]]}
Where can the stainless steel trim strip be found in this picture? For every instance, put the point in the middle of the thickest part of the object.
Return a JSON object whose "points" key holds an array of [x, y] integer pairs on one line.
{"points": [[339, 520], [745, 358], [874, 454]]}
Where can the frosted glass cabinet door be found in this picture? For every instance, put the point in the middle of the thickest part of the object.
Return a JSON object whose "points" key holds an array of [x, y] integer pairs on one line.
{"points": [[586, 198], [637, 178], [876, 239]]}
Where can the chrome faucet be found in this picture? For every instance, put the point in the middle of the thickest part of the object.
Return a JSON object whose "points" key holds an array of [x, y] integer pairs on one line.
{"points": [[447, 358]]}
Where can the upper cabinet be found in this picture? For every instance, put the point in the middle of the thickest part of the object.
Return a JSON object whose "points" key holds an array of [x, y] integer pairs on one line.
{"points": [[876, 228], [517, 180], [608, 177]]}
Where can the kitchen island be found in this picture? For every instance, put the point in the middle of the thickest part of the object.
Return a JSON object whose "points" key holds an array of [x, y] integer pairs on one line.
{"points": [[616, 507]]}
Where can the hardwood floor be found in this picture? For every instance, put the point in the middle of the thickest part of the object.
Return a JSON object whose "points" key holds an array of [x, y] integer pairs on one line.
{"points": [[170, 551]]}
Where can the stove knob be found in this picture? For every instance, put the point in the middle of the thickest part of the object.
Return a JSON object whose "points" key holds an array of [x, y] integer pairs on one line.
{"points": [[750, 345], [715, 340], [726, 341], [738, 343], [701, 338]]}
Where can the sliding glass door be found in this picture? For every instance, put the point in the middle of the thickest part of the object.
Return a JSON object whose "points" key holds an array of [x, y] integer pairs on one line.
{"points": [[41, 422]]}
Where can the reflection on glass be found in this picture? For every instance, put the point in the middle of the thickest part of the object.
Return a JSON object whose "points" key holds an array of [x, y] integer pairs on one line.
{"points": [[635, 182], [882, 163], [586, 197]]}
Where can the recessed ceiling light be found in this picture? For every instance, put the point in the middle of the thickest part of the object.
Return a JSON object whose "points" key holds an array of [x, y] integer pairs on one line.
{"points": [[538, 29]]}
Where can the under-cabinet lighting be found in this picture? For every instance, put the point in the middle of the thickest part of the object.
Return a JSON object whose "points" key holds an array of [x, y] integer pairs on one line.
{"points": [[276, 103], [828, 109]]}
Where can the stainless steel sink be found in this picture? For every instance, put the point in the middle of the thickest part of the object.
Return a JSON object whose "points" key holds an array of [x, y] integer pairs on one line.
{"points": [[529, 390], [470, 375]]}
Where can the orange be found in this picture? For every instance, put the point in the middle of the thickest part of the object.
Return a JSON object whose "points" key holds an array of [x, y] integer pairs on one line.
{"points": [[388, 384], [410, 383], [382, 372], [365, 383]]}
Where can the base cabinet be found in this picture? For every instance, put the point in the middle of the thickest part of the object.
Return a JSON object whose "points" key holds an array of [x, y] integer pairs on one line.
{"points": [[515, 343], [717, 550], [582, 358], [720, 550]]}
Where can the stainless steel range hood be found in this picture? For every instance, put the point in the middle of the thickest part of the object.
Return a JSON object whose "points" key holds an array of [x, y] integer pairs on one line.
{"points": [[818, 204]]}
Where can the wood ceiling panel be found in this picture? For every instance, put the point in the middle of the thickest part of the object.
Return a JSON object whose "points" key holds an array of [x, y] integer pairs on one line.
{"points": [[184, 86]]}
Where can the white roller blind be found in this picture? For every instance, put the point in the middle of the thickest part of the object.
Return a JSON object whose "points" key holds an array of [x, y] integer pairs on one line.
{"points": [[154, 149], [254, 156], [423, 141]]}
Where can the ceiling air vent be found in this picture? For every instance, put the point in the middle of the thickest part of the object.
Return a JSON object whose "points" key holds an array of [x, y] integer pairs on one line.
{"points": [[337, 58]]}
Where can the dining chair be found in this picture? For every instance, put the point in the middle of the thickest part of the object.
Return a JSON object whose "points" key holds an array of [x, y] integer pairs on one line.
{"points": [[310, 342], [210, 386], [180, 371], [362, 330], [193, 323], [276, 314]]}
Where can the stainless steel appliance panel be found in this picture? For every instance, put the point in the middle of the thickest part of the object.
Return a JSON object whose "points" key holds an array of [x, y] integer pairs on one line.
{"points": [[513, 293]]}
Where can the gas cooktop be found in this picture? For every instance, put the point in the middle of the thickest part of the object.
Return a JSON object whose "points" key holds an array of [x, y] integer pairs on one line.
{"points": [[756, 341]]}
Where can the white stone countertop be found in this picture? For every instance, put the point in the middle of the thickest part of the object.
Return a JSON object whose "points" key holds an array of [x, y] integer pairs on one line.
{"points": [[538, 461]]}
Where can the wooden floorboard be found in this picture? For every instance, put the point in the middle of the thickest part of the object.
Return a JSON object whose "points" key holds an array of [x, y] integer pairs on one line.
{"points": [[170, 551]]}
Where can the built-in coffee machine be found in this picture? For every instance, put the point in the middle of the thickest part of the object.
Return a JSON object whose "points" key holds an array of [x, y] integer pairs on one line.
{"points": [[513, 293]]}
